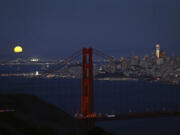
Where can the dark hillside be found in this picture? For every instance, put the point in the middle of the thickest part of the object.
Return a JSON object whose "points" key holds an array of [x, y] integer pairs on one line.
{"points": [[33, 115]]}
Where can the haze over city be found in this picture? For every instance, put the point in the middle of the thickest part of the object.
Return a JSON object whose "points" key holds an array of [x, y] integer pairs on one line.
{"points": [[55, 29]]}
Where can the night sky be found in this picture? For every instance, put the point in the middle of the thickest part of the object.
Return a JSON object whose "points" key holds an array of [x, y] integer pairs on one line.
{"points": [[57, 28]]}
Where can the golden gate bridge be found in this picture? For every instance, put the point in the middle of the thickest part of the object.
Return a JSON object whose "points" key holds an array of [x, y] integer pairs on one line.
{"points": [[87, 92]]}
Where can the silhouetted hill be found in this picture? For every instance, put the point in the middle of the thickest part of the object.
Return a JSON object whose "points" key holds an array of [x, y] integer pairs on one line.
{"points": [[34, 116]]}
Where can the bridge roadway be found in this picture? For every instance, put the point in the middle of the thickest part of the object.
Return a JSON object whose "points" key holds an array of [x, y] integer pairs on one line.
{"points": [[130, 115]]}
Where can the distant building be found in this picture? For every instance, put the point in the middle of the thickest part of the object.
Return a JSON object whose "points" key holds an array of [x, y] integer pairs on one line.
{"points": [[34, 60], [160, 61], [157, 51], [37, 73], [162, 54], [121, 59]]}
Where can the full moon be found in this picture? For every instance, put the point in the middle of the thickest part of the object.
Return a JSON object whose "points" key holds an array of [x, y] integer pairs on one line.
{"points": [[18, 49]]}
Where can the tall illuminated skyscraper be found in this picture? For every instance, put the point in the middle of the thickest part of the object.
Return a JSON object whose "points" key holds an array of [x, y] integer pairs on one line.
{"points": [[157, 51]]}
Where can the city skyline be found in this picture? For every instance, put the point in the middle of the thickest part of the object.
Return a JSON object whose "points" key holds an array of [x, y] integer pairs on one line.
{"points": [[55, 29]]}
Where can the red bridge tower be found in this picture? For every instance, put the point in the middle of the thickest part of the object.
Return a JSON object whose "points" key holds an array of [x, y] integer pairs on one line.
{"points": [[87, 105]]}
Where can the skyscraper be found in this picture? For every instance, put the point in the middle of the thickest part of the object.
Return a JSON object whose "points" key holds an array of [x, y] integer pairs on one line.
{"points": [[157, 51]]}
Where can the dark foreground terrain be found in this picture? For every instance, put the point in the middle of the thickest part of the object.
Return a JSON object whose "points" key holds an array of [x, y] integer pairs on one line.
{"points": [[33, 116]]}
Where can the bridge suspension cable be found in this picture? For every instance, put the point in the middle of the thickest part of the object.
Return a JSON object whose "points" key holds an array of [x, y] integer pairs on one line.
{"points": [[64, 62], [103, 55]]}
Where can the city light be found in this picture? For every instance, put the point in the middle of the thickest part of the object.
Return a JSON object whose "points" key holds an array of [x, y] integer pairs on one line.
{"points": [[34, 60]]}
